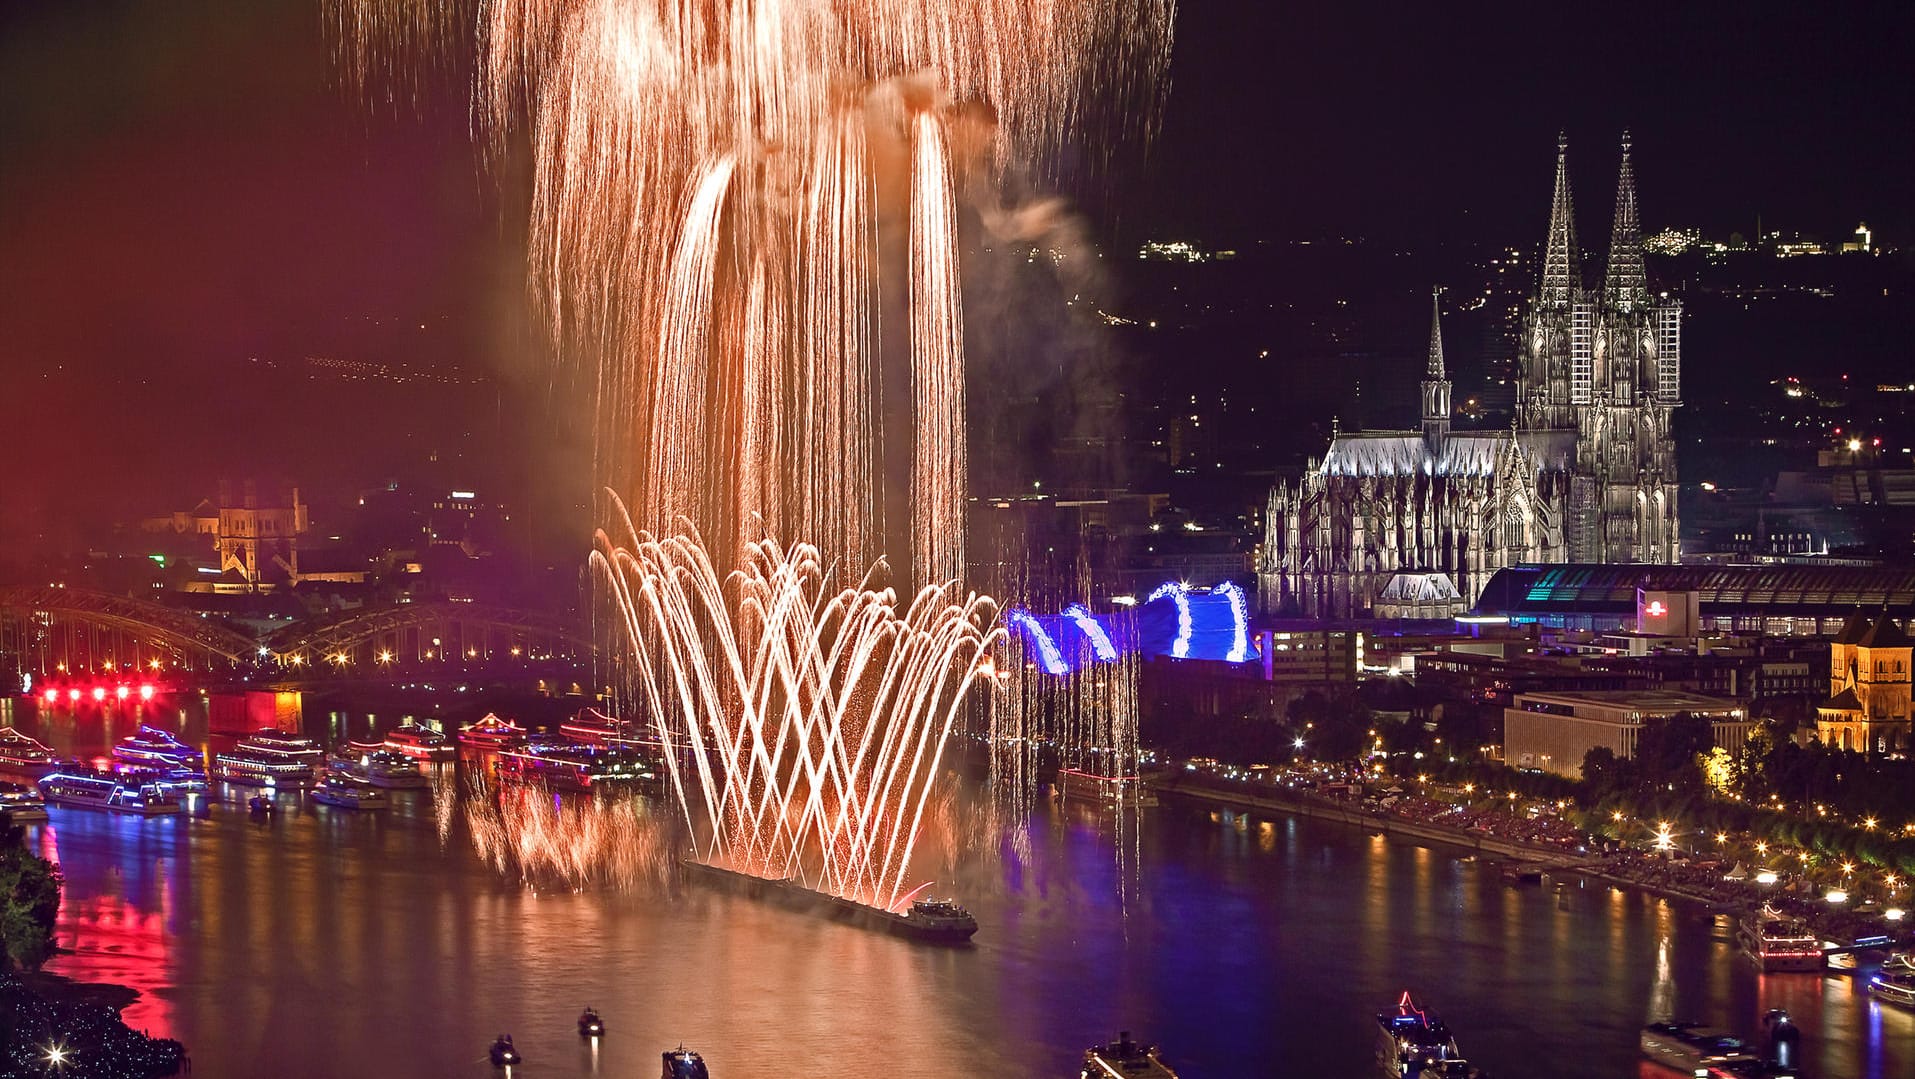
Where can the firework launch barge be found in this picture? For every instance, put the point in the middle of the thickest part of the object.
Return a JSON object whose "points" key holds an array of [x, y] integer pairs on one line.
{"points": [[930, 920]]}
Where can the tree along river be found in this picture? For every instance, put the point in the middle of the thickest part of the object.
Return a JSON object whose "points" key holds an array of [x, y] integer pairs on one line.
{"points": [[330, 942]]}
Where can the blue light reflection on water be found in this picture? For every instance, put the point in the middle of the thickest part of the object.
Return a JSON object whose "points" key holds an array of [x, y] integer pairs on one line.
{"points": [[1235, 942]]}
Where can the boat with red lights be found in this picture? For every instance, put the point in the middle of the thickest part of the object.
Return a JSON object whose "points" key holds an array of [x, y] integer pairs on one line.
{"points": [[576, 767], [594, 727], [144, 797], [1413, 1044], [492, 733], [21, 754], [935, 921], [152, 747], [419, 743], [1124, 1059], [1778, 942], [1124, 791]]}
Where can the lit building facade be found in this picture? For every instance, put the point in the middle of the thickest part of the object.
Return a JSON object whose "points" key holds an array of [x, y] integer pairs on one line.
{"points": [[1869, 705], [1587, 471]]}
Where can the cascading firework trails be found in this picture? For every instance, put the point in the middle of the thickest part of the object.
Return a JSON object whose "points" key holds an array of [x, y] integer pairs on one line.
{"points": [[746, 215], [813, 722]]}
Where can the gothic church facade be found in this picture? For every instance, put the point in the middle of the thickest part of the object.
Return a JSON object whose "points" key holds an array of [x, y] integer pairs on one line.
{"points": [[1414, 523]]}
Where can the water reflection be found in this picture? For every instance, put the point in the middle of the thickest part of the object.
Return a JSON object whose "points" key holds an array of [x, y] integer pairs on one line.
{"points": [[401, 942]]}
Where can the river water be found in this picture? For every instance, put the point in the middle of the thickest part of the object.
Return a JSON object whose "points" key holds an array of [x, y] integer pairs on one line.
{"points": [[328, 943]]}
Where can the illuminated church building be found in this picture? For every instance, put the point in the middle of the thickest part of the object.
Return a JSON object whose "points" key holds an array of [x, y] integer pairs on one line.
{"points": [[1412, 524]]}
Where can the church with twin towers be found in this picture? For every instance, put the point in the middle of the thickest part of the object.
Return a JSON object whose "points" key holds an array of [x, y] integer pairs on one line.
{"points": [[1413, 523]]}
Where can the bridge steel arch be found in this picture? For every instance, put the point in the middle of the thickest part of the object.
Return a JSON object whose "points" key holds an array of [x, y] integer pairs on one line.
{"points": [[407, 627], [38, 622]]}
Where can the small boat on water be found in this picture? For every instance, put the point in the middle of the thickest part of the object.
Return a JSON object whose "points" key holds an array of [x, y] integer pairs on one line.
{"points": [[1893, 988], [259, 805], [104, 790], [1413, 1044], [682, 1063], [1692, 1049], [155, 748], [419, 743], [492, 733], [20, 802], [590, 1025], [382, 768], [1777, 942], [503, 1053], [1124, 1059], [23, 755], [346, 792]]}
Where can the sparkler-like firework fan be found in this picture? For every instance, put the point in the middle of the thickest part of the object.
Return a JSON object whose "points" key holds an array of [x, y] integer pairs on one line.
{"points": [[746, 214]]}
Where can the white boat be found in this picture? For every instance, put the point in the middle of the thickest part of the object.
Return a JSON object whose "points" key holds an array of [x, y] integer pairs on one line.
{"points": [[285, 745], [20, 802], [155, 748], [349, 793], [1778, 942], [384, 768], [417, 742], [251, 768], [1893, 988], [22, 754], [120, 794]]}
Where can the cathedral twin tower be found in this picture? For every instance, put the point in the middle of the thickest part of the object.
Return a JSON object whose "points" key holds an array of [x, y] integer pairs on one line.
{"points": [[1414, 523]]}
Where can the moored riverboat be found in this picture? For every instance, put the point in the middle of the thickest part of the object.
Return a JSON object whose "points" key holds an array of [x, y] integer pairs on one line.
{"points": [[419, 743], [1128, 791], [102, 790], [252, 768], [20, 802], [21, 754], [1777, 942], [382, 768], [152, 747], [492, 732]]}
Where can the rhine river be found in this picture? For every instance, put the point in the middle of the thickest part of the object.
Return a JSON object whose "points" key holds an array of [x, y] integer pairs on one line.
{"points": [[330, 943]]}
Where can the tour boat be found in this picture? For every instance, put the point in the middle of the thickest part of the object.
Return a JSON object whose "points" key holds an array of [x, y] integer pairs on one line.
{"points": [[1413, 1044], [349, 793], [492, 733], [596, 728], [1126, 791], [384, 768], [575, 767], [99, 790], [19, 802], [1692, 1049], [1893, 988], [417, 742], [682, 1063], [1124, 1059], [1779, 943], [20, 753], [253, 768], [155, 748], [286, 744], [590, 1025], [934, 921]]}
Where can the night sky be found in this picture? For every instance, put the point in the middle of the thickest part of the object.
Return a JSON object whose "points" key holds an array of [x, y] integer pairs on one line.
{"points": [[186, 192]]}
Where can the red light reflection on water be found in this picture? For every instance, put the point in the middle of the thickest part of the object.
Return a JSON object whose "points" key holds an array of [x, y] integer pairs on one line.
{"points": [[116, 943]]}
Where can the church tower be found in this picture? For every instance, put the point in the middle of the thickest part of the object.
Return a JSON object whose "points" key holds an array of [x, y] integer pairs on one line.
{"points": [[1436, 383], [1605, 368]]}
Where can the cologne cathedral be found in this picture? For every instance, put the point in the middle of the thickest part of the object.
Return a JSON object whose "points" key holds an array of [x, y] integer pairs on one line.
{"points": [[1412, 524]]}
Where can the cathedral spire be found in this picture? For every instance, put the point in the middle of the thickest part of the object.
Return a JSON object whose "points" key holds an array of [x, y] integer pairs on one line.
{"points": [[1436, 384], [1562, 272], [1625, 285]]}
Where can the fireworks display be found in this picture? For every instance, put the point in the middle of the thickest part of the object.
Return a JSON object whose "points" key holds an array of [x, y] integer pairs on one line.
{"points": [[747, 217]]}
